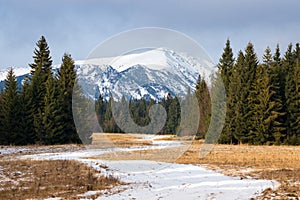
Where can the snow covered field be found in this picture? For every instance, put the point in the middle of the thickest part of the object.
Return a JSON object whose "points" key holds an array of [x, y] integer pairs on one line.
{"points": [[177, 181], [159, 180]]}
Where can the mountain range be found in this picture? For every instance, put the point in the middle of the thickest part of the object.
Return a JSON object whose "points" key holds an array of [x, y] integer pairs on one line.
{"points": [[148, 74]]}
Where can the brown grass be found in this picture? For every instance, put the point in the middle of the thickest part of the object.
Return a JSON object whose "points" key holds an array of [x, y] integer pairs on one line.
{"points": [[22, 179], [225, 156], [110, 140], [259, 157], [281, 163]]}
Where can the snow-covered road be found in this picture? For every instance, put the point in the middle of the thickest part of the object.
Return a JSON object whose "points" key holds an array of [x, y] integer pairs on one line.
{"points": [[159, 180]]}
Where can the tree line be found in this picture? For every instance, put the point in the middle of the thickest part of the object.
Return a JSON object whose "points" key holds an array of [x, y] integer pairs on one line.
{"points": [[40, 112], [179, 111], [263, 99]]}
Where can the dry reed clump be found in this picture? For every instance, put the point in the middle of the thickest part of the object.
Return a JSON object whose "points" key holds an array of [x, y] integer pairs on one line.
{"points": [[289, 180], [24, 179]]}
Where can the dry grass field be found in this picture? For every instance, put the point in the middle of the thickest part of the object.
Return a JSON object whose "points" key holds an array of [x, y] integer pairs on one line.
{"points": [[21, 179], [281, 163], [28, 179], [107, 140]]}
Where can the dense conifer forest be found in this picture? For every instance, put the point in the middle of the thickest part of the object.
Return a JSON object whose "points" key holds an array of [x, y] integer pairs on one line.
{"points": [[262, 99], [40, 112]]}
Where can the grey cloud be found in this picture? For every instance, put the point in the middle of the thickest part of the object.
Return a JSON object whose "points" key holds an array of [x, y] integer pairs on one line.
{"points": [[77, 26]]}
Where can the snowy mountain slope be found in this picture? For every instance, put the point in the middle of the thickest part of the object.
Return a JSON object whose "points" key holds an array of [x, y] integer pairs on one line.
{"points": [[19, 71], [150, 74]]}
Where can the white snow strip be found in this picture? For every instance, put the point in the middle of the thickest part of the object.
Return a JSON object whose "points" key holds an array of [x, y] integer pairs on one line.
{"points": [[159, 180], [177, 181]]}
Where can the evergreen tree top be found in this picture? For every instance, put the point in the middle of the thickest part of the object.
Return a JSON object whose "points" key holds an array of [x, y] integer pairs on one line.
{"points": [[267, 57], [227, 58], [288, 56], [41, 58], [297, 52], [10, 82], [277, 55]]}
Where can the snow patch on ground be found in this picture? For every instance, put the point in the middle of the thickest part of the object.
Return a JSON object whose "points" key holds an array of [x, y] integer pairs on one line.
{"points": [[21, 150], [150, 179], [177, 181], [159, 180]]}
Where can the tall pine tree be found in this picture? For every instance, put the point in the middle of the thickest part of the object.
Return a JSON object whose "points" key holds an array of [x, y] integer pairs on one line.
{"points": [[248, 77], [277, 80], [40, 72], [264, 108], [226, 64], [226, 68], [66, 82], [10, 110], [288, 64], [52, 118], [203, 96], [26, 119], [292, 95]]}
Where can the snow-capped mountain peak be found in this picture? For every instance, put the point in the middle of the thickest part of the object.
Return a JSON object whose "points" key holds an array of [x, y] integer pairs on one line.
{"points": [[152, 73]]}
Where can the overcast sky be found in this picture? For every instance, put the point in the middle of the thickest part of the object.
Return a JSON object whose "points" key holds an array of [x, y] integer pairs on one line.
{"points": [[77, 26]]}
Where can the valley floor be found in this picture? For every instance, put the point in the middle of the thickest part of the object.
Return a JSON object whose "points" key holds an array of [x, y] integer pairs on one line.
{"points": [[156, 167]]}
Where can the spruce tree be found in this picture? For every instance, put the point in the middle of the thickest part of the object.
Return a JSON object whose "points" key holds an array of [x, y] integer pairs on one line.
{"points": [[42, 58], [122, 114], [66, 82], [292, 95], [277, 80], [232, 130], [100, 108], [236, 104], [142, 116], [10, 110], [203, 96], [248, 77], [176, 114], [218, 111], [172, 106], [295, 140], [264, 108], [226, 64], [189, 115], [83, 115], [290, 91], [40, 72], [168, 128], [26, 118], [52, 118], [109, 124]]}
